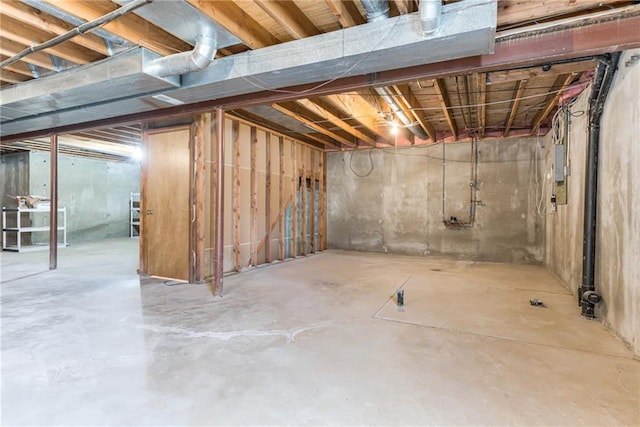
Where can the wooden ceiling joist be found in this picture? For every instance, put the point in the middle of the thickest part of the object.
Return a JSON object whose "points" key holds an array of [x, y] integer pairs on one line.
{"points": [[10, 48], [12, 77], [312, 123], [517, 96], [333, 116], [290, 17], [358, 110], [406, 6], [129, 27], [409, 102], [559, 86], [18, 67], [28, 35], [443, 97], [33, 17], [346, 12], [517, 11], [235, 20]]}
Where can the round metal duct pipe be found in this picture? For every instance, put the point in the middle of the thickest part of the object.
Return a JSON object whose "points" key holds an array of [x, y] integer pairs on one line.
{"points": [[377, 10], [430, 12], [197, 59]]}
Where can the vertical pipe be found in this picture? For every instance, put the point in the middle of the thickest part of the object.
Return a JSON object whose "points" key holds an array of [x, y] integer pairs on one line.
{"points": [[53, 210], [219, 203], [587, 296]]}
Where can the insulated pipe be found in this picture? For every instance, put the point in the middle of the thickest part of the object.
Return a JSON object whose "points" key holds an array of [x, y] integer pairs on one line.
{"points": [[430, 12], [82, 29], [400, 114], [197, 59], [377, 10], [587, 297], [42, 6]]}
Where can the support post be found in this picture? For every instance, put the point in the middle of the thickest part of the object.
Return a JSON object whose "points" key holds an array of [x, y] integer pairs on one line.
{"points": [[53, 209], [219, 203]]}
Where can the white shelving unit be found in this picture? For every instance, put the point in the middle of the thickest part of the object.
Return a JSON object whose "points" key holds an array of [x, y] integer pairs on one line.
{"points": [[134, 215], [19, 229]]}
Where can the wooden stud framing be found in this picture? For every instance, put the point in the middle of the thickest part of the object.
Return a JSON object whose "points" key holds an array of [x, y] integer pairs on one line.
{"points": [[199, 128], [312, 218], [235, 131], [294, 196], [323, 201], [218, 202], [254, 197], [267, 202], [303, 191], [281, 206]]}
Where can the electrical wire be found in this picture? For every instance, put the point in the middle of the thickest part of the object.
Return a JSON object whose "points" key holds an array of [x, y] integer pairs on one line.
{"points": [[370, 162]]}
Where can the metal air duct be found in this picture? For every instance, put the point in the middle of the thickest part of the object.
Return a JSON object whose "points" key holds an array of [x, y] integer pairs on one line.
{"points": [[199, 58], [430, 13], [377, 10], [400, 114]]}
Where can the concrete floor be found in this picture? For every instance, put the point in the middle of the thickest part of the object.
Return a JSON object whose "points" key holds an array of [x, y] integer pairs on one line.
{"points": [[313, 341]]}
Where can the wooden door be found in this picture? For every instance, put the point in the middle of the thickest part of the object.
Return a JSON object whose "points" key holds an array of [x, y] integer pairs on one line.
{"points": [[166, 204]]}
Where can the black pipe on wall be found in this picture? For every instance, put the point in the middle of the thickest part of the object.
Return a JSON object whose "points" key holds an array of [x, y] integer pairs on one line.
{"points": [[587, 296]]}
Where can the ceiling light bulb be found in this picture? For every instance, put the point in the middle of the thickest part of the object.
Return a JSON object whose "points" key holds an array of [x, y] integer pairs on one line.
{"points": [[394, 128], [137, 154]]}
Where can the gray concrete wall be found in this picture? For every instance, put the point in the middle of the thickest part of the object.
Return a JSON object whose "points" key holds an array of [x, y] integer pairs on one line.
{"points": [[95, 193], [397, 207], [618, 248], [564, 226]]}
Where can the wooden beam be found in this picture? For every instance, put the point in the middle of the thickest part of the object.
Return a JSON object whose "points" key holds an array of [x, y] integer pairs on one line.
{"points": [[511, 76], [12, 77], [517, 97], [518, 11], [10, 48], [289, 17], [481, 99], [291, 112], [359, 110], [322, 235], [254, 197], [238, 22], [218, 203], [200, 127], [33, 17], [281, 206], [235, 137], [325, 110], [346, 12], [312, 217], [27, 35], [267, 203], [559, 86], [406, 6], [409, 102], [18, 67], [130, 27], [303, 200], [441, 91], [267, 124]]}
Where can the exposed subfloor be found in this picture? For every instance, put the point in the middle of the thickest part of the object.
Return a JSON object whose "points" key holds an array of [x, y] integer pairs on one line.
{"points": [[317, 340]]}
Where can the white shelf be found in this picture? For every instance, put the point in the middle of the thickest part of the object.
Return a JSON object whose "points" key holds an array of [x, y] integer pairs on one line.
{"points": [[19, 230], [134, 215]]}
